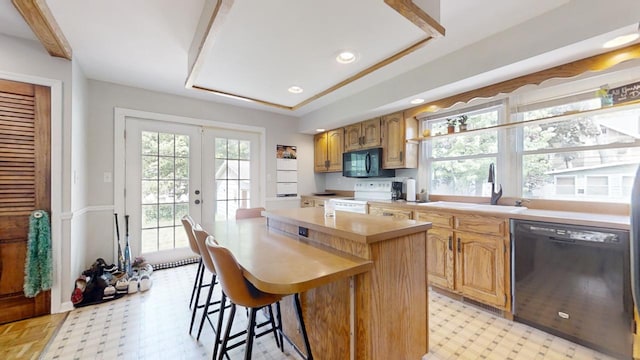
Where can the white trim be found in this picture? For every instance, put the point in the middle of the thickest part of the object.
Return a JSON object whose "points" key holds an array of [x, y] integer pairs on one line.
{"points": [[65, 307], [56, 176], [94, 208], [67, 215]]}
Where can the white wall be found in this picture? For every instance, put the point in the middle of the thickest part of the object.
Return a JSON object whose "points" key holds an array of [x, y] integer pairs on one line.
{"points": [[104, 97], [28, 60]]}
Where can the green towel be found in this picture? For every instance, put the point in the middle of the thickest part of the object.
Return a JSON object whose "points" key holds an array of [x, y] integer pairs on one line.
{"points": [[38, 268]]}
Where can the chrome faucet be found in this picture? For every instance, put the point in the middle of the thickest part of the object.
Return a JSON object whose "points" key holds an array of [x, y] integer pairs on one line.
{"points": [[495, 196]]}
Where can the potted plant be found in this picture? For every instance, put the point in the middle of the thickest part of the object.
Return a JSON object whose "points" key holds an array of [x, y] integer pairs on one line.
{"points": [[451, 125], [462, 121]]}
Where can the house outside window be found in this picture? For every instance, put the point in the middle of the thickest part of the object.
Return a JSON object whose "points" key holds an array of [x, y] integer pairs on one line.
{"points": [[565, 185], [592, 146]]}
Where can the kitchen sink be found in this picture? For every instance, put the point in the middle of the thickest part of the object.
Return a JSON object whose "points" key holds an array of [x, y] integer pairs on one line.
{"points": [[478, 207], [500, 208]]}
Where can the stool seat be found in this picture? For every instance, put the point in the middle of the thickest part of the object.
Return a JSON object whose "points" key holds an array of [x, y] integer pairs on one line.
{"points": [[240, 292]]}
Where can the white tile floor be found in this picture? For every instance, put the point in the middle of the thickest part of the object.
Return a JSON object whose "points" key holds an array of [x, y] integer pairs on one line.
{"points": [[154, 325]]}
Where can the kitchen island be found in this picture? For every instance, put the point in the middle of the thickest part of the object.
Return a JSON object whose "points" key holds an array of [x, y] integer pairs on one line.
{"points": [[378, 314]]}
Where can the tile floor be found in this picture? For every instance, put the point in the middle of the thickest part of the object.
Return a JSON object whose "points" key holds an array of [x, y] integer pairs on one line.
{"points": [[154, 325]]}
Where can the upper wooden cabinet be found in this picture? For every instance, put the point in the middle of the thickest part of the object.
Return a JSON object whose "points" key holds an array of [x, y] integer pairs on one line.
{"points": [[398, 152], [362, 135], [328, 148]]}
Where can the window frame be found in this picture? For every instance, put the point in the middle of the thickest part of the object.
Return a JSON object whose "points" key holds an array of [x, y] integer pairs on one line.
{"points": [[501, 106]]}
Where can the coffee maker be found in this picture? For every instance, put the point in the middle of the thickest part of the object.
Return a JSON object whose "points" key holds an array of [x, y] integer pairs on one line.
{"points": [[396, 190]]}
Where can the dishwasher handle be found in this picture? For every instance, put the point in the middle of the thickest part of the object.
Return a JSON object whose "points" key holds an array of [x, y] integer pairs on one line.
{"points": [[562, 240]]}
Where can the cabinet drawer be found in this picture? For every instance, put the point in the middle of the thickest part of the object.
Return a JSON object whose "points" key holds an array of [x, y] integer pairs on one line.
{"points": [[487, 225], [307, 203], [441, 220], [396, 213]]}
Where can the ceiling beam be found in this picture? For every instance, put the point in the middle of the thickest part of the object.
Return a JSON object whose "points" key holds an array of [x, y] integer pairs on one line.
{"points": [[417, 16], [38, 16]]}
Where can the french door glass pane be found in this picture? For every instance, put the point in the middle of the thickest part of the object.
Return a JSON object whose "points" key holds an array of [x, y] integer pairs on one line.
{"points": [[233, 176], [165, 190]]}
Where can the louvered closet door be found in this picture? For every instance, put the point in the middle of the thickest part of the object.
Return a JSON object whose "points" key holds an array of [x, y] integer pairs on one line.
{"points": [[25, 183]]}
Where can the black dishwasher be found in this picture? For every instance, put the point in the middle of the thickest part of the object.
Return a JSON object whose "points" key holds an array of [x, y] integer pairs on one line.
{"points": [[574, 282]]}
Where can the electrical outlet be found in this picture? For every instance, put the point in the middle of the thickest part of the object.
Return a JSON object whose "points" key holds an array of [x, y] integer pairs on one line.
{"points": [[302, 231]]}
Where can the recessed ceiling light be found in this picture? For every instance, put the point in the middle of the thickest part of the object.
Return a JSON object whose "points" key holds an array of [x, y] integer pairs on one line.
{"points": [[295, 89], [319, 130], [346, 57], [621, 40], [417, 101]]}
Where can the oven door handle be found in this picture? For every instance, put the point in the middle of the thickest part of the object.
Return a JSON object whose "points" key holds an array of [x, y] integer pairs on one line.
{"points": [[367, 163]]}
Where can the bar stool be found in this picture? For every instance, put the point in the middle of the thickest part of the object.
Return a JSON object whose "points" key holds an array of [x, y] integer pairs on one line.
{"points": [[246, 213], [241, 292], [189, 225]]}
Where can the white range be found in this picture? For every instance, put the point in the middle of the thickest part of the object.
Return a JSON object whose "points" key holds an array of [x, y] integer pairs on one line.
{"points": [[365, 191]]}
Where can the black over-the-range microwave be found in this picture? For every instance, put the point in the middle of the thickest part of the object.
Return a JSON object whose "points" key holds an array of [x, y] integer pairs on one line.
{"points": [[365, 164]]}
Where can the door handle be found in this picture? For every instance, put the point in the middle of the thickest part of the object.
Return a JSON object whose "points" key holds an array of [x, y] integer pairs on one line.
{"points": [[459, 247], [450, 243], [197, 202], [367, 163], [400, 155]]}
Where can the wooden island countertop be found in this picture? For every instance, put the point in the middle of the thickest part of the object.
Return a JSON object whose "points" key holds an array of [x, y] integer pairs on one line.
{"points": [[278, 264], [360, 228]]}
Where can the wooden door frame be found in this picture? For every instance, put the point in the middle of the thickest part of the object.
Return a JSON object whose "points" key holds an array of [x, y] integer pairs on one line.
{"points": [[56, 152]]}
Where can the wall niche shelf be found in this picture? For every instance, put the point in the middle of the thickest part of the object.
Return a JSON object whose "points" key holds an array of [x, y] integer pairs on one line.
{"points": [[565, 116]]}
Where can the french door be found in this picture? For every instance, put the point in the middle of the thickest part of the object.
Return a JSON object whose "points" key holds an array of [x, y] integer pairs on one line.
{"points": [[177, 169], [162, 185]]}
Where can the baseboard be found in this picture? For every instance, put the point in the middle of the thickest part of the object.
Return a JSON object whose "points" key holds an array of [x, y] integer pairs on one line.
{"points": [[65, 307]]}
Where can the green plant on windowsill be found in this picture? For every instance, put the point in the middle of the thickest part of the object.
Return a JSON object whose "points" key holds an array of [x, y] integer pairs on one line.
{"points": [[451, 125], [462, 121]]}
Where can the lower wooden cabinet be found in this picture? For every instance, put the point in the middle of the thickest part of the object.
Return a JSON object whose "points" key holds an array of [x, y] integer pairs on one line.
{"points": [[440, 257], [468, 254], [480, 268]]}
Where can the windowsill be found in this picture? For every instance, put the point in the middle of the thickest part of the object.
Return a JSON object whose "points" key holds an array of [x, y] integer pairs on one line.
{"points": [[564, 116]]}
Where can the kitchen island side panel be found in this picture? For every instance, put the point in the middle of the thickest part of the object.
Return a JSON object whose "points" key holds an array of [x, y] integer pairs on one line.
{"points": [[392, 302]]}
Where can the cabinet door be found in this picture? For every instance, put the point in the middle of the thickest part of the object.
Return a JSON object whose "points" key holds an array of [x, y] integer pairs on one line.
{"points": [[480, 268], [371, 136], [352, 137], [335, 146], [393, 140], [320, 152], [440, 250]]}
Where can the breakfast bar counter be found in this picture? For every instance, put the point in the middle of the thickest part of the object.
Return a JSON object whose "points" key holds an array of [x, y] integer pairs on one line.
{"points": [[377, 312]]}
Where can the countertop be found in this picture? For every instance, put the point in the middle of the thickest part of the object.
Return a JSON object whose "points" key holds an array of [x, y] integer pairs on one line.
{"points": [[511, 212], [357, 227], [522, 213]]}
